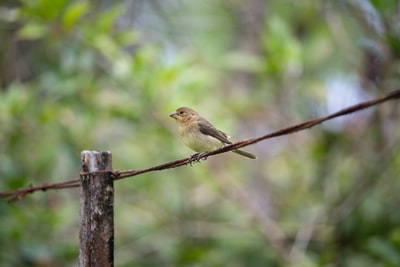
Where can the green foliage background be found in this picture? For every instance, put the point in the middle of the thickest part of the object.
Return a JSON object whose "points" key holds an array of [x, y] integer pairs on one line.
{"points": [[79, 75]]}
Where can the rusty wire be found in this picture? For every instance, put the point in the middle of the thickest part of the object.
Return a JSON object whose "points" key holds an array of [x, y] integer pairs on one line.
{"points": [[15, 195]]}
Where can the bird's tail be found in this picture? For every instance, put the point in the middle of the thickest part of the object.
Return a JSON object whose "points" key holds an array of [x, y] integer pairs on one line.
{"points": [[244, 154]]}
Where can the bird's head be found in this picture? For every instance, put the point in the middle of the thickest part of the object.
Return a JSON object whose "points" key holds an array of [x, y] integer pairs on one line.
{"points": [[183, 114]]}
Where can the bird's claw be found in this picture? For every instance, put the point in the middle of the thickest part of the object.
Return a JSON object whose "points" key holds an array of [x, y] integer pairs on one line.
{"points": [[196, 157]]}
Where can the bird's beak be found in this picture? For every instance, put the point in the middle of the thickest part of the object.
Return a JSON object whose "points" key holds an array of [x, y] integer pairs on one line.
{"points": [[173, 115]]}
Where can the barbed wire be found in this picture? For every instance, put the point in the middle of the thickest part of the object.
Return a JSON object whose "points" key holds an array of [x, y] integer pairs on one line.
{"points": [[18, 194]]}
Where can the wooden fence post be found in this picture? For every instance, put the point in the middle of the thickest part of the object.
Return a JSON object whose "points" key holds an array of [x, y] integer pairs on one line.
{"points": [[96, 210]]}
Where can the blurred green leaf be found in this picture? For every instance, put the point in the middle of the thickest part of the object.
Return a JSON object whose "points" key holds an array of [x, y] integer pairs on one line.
{"points": [[74, 13], [33, 31], [384, 251], [46, 10]]}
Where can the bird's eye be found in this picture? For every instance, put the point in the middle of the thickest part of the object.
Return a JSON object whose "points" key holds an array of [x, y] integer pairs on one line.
{"points": [[181, 112]]}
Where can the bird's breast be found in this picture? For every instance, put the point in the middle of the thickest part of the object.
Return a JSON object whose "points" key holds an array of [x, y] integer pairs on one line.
{"points": [[196, 140]]}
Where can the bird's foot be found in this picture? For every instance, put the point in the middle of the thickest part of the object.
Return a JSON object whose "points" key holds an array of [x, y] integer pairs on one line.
{"points": [[196, 157]]}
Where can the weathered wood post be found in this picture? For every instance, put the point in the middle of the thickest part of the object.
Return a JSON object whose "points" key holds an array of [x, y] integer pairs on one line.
{"points": [[96, 210]]}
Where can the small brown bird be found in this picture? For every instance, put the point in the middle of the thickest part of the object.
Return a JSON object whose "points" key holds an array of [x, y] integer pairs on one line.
{"points": [[199, 134]]}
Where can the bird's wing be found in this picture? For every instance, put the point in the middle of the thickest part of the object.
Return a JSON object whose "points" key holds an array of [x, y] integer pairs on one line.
{"points": [[207, 129]]}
